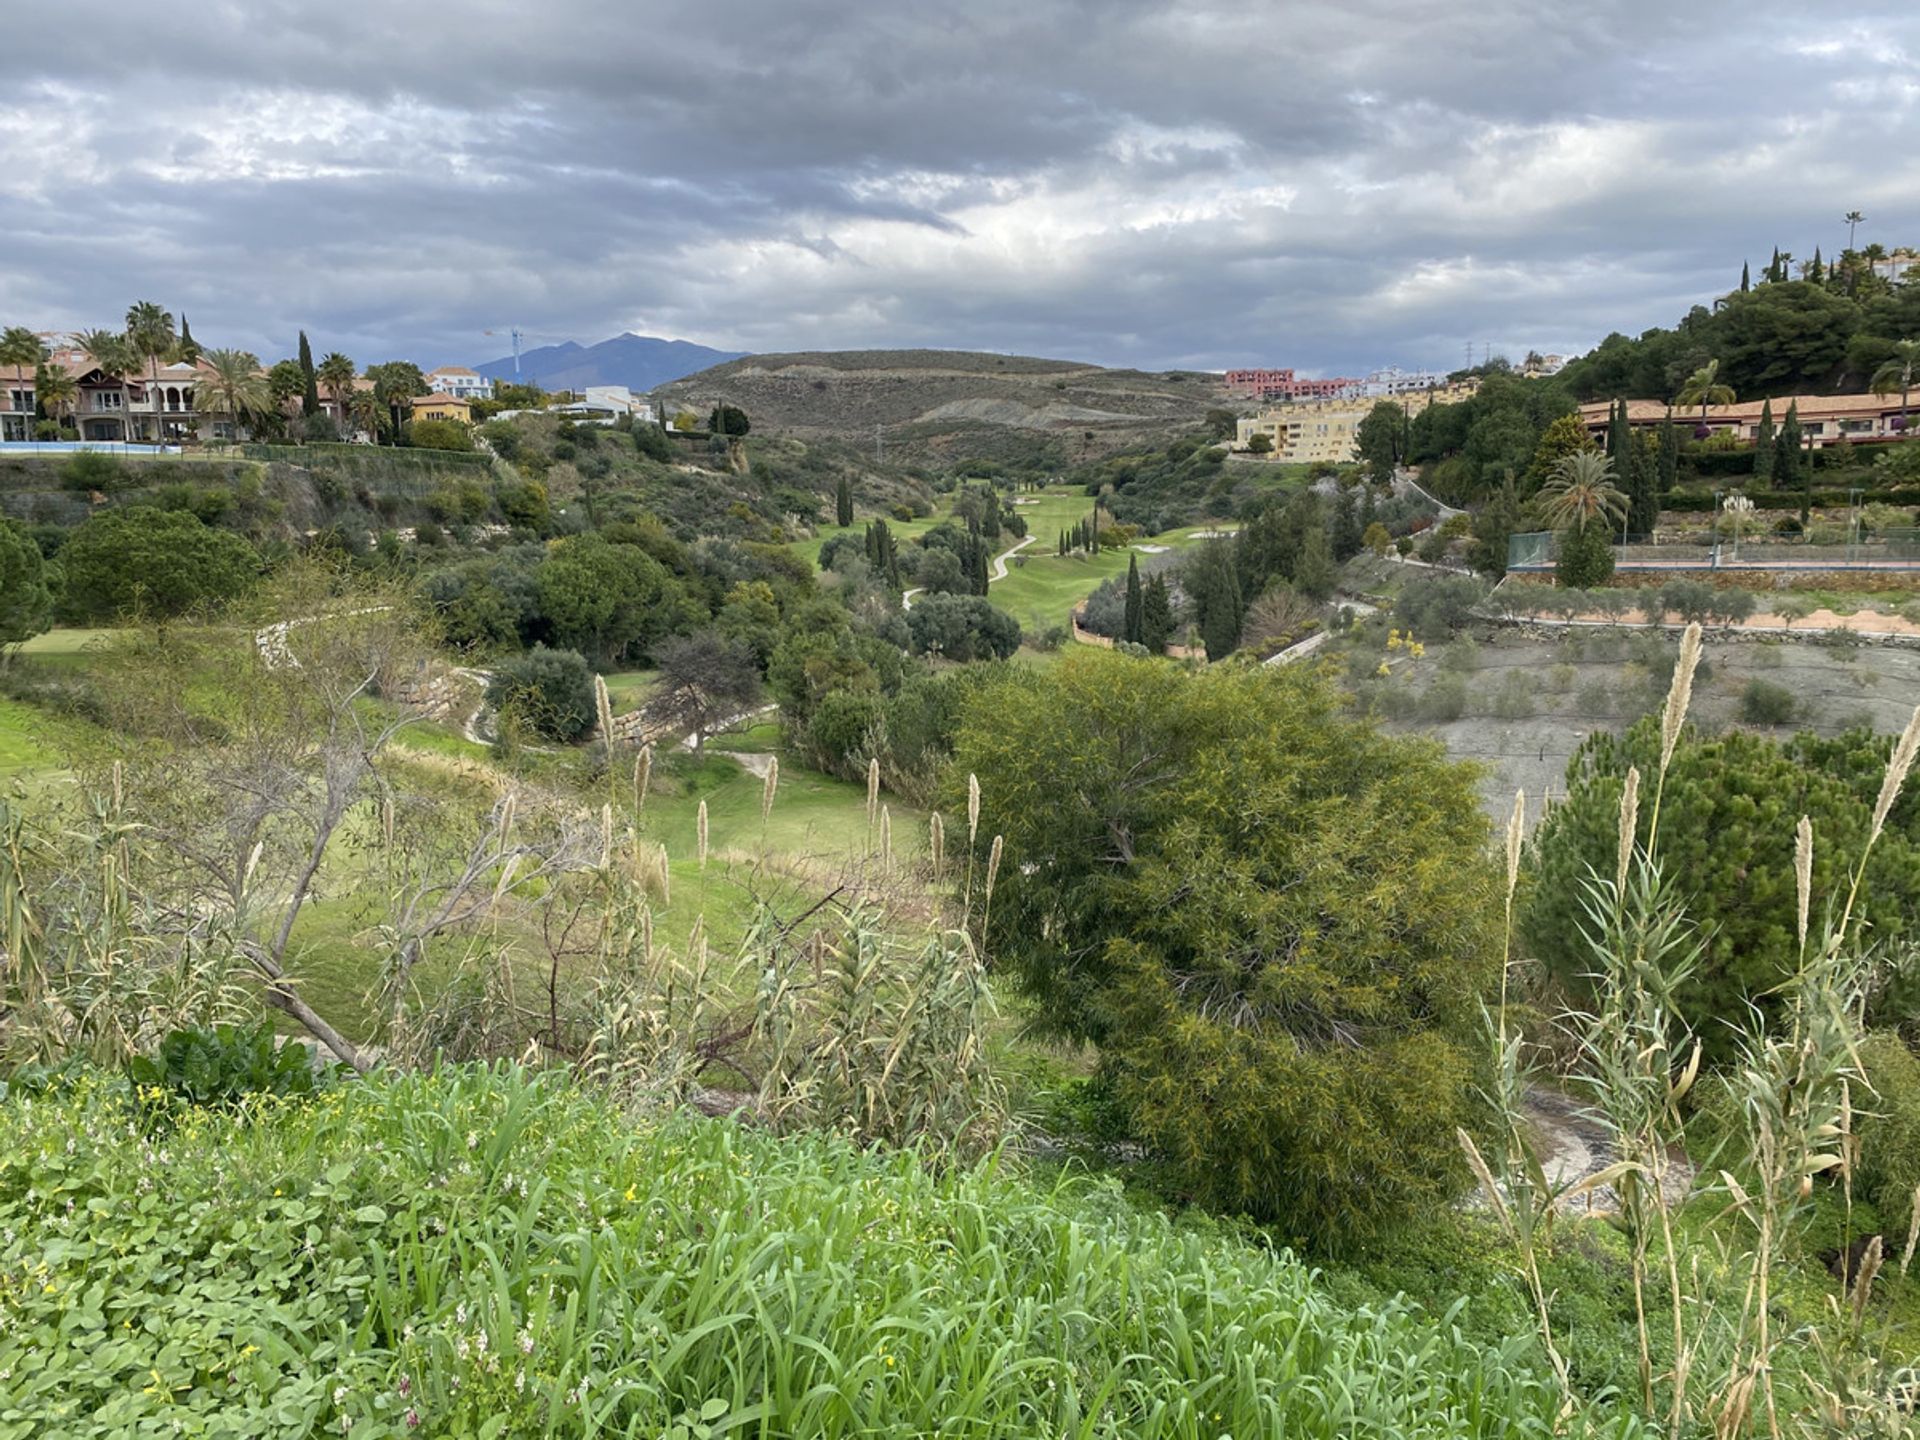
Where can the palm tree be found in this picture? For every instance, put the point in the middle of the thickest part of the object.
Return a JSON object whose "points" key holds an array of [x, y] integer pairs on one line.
{"points": [[56, 391], [150, 336], [365, 408], [1581, 489], [1854, 217], [114, 358], [20, 347], [1896, 373], [1703, 388], [336, 372], [234, 381]]}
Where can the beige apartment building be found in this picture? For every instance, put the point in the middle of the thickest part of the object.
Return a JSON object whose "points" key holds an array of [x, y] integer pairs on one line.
{"points": [[1309, 432]]}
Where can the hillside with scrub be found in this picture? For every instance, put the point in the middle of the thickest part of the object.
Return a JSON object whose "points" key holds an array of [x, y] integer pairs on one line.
{"points": [[685, 933]]}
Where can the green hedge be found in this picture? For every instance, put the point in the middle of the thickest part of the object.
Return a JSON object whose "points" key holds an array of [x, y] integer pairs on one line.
{"points": [[400, 454], [1702, 500]]}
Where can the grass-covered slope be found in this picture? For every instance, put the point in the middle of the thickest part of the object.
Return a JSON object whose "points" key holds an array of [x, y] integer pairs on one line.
{"points": [[486, 1253]]}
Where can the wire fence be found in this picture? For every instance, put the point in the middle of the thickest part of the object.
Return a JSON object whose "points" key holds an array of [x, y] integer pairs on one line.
{"points": [[1891, 549]]}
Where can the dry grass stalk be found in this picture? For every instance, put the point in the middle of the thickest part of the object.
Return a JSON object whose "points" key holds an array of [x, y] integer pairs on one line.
{"points": [[1803, 873], [886, 836], [1913, 1233], [1863, 1286], [873, 791], [1679, 694], [603, 709], [1629, 829], [700, 830], [606, 836], [993, 866], [1898, 765], [642, 773], [1516, 835], [769, 787], [973, 809], [936, 842]]}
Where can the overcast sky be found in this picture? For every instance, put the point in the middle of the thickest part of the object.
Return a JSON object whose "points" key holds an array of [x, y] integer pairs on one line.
{"points": [[1332, 186]]}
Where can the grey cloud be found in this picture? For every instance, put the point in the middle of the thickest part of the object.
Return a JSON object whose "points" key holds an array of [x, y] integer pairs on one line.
{"points": [[1334, 186]]}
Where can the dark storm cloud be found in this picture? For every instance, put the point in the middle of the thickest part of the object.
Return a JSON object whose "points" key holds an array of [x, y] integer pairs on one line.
{"points": [[1196, 183]]}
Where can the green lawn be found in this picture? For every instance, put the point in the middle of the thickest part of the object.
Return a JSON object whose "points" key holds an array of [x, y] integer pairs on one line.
{"points": [[809, 549], [66, 647]]}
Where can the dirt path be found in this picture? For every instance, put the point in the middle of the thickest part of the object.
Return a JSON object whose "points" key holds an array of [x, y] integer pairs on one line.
{"points": [[1573, 1145], [999, 571]]}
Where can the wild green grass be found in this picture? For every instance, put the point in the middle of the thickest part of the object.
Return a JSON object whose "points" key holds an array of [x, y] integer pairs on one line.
{"points": [[491, 1253]]}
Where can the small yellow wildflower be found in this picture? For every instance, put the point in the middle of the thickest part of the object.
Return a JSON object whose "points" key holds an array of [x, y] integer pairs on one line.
{"points": [[1384, 670]]}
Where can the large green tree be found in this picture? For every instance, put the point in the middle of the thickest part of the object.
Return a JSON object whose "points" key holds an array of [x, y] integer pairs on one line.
{"points": [[26, 597], [158, 563], [1896, 373], [233, 386], [1274, 922], [610, 602], [1727, 817], [21, 348]]}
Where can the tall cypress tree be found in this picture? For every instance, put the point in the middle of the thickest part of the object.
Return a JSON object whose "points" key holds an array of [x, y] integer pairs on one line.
{"points": [[1156, 615], [1763, 446], [843, 502], [1619, 444], [186, 347], [1814, 273], [1643, 487], [1667, 473], [310, 396], [1746, 278], [1130, 628]]}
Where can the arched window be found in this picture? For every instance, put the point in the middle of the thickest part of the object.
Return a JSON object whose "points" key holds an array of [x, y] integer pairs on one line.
{"points": [[173, 397]]}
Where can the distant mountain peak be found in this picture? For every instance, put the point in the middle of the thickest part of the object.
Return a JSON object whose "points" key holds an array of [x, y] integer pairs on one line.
{"points": [[639, 362]]}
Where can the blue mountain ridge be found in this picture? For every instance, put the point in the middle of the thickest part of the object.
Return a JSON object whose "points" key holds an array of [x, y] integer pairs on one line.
{"points": [[639, 362]]}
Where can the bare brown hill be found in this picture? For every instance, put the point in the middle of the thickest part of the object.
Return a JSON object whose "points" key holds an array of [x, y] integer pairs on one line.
{"points": [[947, 405]]}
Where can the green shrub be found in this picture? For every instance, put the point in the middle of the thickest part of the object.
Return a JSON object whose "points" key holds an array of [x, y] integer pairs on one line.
{"points": [[90, 470], [1765, 703], [1727, 816], [222, 1066], [1586, 557], [151, 562], [1436, 607], [549, 691], [1285, 1011], [439, 435], [1887, 1120]]}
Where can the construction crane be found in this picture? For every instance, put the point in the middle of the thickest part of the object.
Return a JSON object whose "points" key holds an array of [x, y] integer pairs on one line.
{"points": [[519, 335], [514, 331]]}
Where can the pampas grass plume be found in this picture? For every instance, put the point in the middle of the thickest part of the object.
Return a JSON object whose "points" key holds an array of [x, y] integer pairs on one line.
{"points": [[1629, 828]]}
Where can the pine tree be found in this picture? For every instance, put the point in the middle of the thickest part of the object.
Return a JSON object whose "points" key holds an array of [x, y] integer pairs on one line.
{"points": [[1156, 615], [1763, 446], [843, 502], [1746, 278], [310, 396], [1130, 628], [1814, 272]]}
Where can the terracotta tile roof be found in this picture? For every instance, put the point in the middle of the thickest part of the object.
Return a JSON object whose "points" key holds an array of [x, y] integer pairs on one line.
{"points": [[1747, 412], [451, 370]]}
